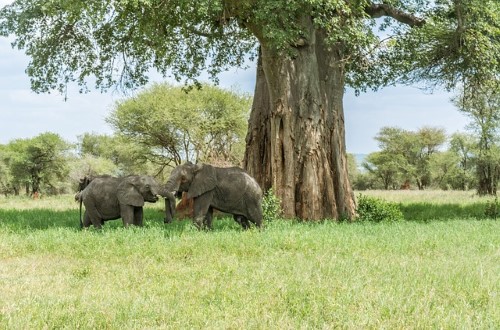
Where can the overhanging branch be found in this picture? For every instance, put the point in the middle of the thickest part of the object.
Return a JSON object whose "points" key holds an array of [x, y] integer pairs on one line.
{"points": [[379, 10]]}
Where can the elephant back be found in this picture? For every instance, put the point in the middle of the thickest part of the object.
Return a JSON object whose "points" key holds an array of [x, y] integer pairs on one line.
{"points": [[235, 181], [101, 188]]}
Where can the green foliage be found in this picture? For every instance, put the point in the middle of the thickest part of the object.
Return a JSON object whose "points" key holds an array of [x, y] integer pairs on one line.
{"points": [[482, 104], [492, 209], [408, 153], [464, 147], [271, 206], [171, 125], [115, 155], [377, 210], [385, 167], [435, 205], [119, 42], [88, 165], [457, 45], [37, 164]]}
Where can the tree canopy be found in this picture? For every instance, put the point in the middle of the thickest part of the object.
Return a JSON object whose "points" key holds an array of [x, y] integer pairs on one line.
{"points": [[171, 125], [405, 153], [118, 42], [31, 163]]}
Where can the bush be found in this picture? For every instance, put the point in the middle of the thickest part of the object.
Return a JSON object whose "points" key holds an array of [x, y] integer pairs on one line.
{"points": [[492, 209], [377, 210], [271, 206]]}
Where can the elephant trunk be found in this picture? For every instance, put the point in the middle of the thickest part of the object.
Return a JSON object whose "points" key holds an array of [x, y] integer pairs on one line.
{"points": [[169, 207], [169, 204], [171, 189]]}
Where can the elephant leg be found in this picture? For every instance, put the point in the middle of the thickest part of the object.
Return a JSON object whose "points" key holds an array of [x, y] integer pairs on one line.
{"points": [[86, 220], [237, 218], [255, 215], [138, 216], [208, 218], [92, 216], [127, 214], [201, 205], [242, 220]]}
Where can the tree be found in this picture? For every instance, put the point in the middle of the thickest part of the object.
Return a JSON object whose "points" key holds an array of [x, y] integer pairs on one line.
{"points": [[98, 150], [309, 50], [482, 105], [463, 146], [386, 167], [444, 169], [94, 144], [6, 187], [411, 150], [39, 161], [171, 125]]}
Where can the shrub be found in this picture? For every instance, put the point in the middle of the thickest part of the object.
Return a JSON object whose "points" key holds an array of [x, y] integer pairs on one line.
{"points": [[271, 206], [492, 209], [377, 210]]}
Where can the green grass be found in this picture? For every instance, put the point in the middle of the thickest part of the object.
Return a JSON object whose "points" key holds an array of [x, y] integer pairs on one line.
{"points": [[412, 274], [431, 205]]}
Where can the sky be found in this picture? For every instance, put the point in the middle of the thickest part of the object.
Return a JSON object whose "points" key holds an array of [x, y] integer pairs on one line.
{"points": [[25, 114]]}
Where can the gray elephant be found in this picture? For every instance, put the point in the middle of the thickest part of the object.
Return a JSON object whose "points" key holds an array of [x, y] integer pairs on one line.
{"points": [[230, 190], [109, 198]]}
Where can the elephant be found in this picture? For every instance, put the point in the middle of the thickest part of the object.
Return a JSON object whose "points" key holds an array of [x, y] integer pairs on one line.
{"points": [[109, 198], [230, 190]]}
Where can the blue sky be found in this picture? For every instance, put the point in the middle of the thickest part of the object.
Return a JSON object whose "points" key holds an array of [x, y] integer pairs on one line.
{"points": [[24, 113]]}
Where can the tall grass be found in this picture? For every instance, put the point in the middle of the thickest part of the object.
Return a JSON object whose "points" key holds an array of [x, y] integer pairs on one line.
{"points": [[431, 205], [429, 196], [289, 275]]}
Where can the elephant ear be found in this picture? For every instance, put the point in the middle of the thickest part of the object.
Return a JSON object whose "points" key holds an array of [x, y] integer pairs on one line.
{"points": [[204, 180], [128, 194]]}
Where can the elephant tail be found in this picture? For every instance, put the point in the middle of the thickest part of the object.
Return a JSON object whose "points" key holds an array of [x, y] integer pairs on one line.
{"points": [[78, 198], [81, 222]]}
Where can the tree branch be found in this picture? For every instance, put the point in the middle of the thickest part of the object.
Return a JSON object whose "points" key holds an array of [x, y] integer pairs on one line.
{"points": [[379, 10]]}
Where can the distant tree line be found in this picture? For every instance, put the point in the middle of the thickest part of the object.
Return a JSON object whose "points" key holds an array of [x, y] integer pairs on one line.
{"points": [[165, 125], [153, 131], [428, 158]]}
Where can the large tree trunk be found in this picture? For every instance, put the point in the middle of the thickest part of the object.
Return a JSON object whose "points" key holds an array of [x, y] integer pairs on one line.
{"points": [[295, 141]]}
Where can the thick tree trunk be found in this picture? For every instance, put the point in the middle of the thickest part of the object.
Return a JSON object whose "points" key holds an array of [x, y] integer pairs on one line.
{"points": [[295, 141]]}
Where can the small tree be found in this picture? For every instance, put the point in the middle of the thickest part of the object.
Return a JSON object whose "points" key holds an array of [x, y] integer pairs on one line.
{"points": [[172, 125], [5, 175], [482, 105], [39, 161], [385, 167], [464, 147], [128, 156], [412, 150]]}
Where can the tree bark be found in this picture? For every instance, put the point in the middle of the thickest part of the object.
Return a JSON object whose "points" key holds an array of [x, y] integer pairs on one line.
{"points": [[295, 141]]}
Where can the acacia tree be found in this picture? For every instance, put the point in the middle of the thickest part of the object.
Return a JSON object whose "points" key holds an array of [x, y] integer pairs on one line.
{"points": [[37, 162], [412, 151], [482, 105], [385, 166], [464, 147], [309, 50], [170, 126]]}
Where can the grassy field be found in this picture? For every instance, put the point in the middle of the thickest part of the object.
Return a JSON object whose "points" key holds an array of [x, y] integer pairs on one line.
{"points": [[441, 271]]}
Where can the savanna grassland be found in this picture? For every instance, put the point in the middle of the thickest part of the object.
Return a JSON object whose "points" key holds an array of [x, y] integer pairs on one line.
{"points": [[440, 268]]}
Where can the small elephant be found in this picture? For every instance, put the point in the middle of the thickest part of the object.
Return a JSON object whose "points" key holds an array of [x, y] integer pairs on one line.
{"points": [[230, 190], [109, 198]]}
